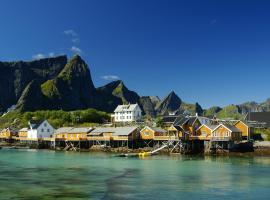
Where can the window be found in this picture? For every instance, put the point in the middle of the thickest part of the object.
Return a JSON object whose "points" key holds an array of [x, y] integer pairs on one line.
{"points": [[42, 130], [45, 124], [146, 133], [48, 130]]}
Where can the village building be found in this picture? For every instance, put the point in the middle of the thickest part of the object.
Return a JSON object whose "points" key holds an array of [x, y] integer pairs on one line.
{"points": [[244, 128], [127, 113], [153, 133], [191, 123], [40, 130], [114, 136], [177, 131], [7, 134], [204, 132], [225, 132], [23, 133], [259, 119]]}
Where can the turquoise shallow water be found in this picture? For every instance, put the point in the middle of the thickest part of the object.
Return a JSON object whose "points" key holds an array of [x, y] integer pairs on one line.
{"points": [[31, 174]]}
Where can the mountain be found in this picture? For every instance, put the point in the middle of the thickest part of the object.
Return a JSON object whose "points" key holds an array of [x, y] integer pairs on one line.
{"points": [[170, 103], [16, 76], [58, 83], [155, 100], [191, 109], [147, 106], [211, 112], [116, 93]]}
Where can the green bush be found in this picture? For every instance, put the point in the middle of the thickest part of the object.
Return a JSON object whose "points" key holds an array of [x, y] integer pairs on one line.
{"points": [[57, 118]]}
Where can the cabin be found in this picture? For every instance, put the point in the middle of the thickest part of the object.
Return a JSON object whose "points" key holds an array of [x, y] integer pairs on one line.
{"points": [[23, 133], [101, 134], [7, 134], [115, 136], [61, 133], [244, 128], [225, 132], [40, 130], [177, 131], [78, 134], [127, 113], [190, 124], [153, 133], [204, 132]]}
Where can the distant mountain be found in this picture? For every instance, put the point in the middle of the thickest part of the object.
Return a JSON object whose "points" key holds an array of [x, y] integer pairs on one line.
{"points": [[16, 76], [170, 103], [56, 83], [147, 106], [116, 93], [191, 109]]}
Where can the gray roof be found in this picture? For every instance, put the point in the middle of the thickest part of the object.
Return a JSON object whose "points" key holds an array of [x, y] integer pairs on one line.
{"points": [[212, 127], [23, 130], [63, 130], [232, 128], [80, 130], [114, 130], [129, 107], [157, 129]]}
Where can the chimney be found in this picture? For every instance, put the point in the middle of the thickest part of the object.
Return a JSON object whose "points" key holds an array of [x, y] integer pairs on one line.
{"points": [[196, 115]]}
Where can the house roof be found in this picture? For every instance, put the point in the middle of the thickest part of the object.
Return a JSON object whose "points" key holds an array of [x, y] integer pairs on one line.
{"points": [[80, 130], [180, 120], [156, 129], [169, 119], [263, 117], [210, 126], [114, 130], [179, 128], [229, 127], [129, 107], [23, 129], [35, 124], [63, 130]]}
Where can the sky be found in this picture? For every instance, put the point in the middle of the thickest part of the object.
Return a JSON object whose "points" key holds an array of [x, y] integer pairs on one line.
{"points": [[215, 52]]}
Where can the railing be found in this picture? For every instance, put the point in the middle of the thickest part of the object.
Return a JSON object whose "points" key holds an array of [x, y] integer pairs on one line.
{"points": [[119, 138], [165, 137], [220, 138], [100, 138], [199, 137]]}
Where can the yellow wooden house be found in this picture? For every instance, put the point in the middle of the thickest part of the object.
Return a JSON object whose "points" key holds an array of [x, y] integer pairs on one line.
{"points": [[204, 132], [72, 134], [154, 133], [23, 133], [7, 134], [177, 131], [62, 133], [225, 132], [244, 128]]}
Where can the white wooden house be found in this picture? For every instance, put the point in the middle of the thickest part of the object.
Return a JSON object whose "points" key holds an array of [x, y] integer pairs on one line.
{"points": [[39, 130], [127, 113]]}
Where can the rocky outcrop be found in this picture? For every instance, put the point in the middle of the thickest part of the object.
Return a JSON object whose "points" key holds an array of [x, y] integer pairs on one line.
{"points": [[170, 103], [15, 76], [147, 106]]}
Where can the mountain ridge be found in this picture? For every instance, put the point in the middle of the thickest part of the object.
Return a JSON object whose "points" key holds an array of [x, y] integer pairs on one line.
{"points": [[61, 84]]}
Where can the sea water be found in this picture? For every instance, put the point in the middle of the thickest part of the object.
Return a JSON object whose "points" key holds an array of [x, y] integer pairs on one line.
{"points": [[43, 174]]}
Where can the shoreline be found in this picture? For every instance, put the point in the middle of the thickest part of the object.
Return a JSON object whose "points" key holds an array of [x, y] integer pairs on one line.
{"points": [[258, 150]]}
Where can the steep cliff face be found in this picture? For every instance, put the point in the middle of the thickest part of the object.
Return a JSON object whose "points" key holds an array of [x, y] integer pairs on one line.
{"points": [[116, 93], [17, 75], [170, 103], [147, 106], [72, 89]]}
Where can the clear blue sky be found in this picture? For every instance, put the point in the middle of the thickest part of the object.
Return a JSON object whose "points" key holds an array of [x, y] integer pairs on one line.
{"points": [[212, 52]]}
